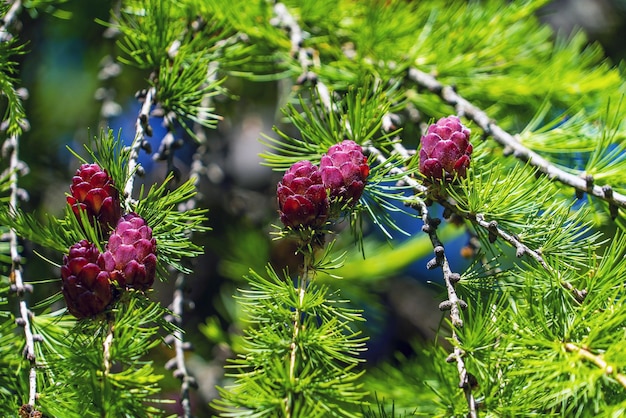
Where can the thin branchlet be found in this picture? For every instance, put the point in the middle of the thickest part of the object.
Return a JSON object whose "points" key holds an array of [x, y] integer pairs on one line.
{"points": [[21, 288], [520, 248], [305, 56], [178, 362], [142, 131], [509, 142], [179, 301], [304, 278], [454, 304], [8, 19], [17, 281], [597, 361]]}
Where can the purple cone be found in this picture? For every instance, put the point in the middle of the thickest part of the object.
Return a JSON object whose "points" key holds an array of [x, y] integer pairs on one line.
{"points": [[445, 150], [344, 171], [130, 255], [302, 199], [92, 190], [86, 285]]}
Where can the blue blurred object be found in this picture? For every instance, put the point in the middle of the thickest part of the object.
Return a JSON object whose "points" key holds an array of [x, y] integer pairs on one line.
{"points": [[126, 123]]}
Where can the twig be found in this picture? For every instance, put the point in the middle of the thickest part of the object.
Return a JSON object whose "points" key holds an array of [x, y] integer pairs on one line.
{"points": [[178, 307], [16, 166], [520, 248], [18, 285], [106, 349], [508, 141], [453, 303], [430, 227], [598, 361], [304, 56], [286, 20], [178, 301], [142, 130], [178, 361], [303, 281], [8, 19]]}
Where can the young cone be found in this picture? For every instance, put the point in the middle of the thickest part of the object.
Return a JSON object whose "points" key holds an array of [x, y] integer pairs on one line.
{"points": [[86, 285], [344, 171], [130, 255], [92, 190], [445, 150], [302, 199]]}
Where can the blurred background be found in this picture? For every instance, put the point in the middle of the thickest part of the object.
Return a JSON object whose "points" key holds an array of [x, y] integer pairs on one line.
{"points": [[76, 88]]}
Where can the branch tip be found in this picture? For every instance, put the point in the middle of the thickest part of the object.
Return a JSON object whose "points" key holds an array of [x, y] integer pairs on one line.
{"points": [[446, 305], [433, 263]]}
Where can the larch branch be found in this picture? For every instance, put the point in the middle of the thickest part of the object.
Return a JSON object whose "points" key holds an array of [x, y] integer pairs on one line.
{"points": [[509, 142], [306, 57], [18, 285], [142, 130], [453, 303], [8, 19], [596, 360]]}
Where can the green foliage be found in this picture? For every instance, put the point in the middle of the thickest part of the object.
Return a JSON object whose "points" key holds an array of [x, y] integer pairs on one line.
{"points": [[100, 381], [357, 116], [13, 109], [149, 32], [53, 233], [542, 302], [182, 87], [171, 227], [301, 349], [10, 342], [170, 40]]}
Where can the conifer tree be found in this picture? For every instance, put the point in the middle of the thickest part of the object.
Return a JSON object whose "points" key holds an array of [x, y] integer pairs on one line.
{"points": [[457, 118]]}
